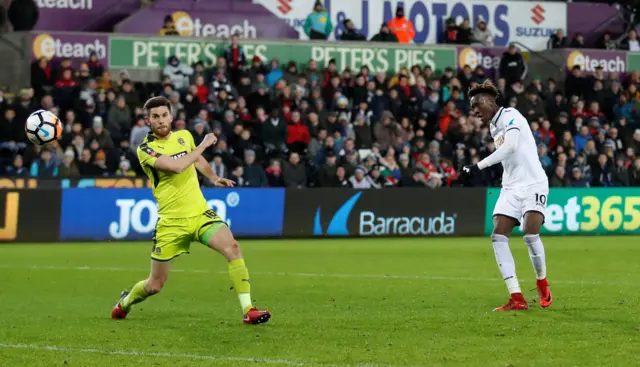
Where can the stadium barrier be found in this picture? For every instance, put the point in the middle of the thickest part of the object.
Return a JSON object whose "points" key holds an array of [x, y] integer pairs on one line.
{"points": [[30, 215], [89, 213]]}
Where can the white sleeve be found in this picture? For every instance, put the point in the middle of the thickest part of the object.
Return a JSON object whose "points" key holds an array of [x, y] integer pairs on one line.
{"points": [[511, 139]]}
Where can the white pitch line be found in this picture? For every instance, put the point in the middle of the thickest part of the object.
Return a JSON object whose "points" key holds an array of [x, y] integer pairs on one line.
{"points": [[160, 354], [309, 275], [183, 356]]}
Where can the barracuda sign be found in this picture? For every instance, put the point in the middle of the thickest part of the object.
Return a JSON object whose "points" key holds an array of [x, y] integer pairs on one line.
{"points": [[371, 224]]}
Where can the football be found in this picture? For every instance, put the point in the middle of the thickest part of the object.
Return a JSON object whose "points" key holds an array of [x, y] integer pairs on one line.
{"points": [[43, 127]]}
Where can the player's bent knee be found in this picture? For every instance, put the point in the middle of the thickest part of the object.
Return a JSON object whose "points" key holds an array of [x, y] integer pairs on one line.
{"points": [[231, 250]]}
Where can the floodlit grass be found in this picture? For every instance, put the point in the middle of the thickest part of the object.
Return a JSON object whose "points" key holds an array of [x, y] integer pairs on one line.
{"points": [[380, 302]]}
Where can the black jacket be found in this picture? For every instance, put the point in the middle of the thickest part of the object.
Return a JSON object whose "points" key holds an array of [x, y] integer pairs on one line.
{"points": [[384, 37], [557, 42], [352, 35], [513, 67]]}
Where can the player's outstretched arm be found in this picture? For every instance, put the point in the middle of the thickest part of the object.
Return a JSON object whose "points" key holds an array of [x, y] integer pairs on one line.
{"points": [[178, 165], [205, 169], [511, 139]]}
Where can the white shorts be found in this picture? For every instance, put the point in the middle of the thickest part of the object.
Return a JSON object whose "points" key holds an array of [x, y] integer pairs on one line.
{"points": [[516, 202]]}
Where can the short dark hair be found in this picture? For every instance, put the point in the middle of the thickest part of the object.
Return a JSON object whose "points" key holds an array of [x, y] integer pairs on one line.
{"points": [[485, 87], [157, 102]]}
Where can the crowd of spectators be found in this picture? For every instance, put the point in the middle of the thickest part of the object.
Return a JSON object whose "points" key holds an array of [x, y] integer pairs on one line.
{"points": [[284, 124]]}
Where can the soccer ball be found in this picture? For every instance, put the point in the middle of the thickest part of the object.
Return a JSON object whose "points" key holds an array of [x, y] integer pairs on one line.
{"points": [[43, 127]]}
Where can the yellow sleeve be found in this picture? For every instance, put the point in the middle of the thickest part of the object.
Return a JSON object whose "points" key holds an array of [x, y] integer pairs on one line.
{"points": [[147, 156], [189, 139]]}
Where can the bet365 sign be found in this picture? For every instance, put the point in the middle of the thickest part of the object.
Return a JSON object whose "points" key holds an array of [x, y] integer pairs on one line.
{"points": [[584, 211]]}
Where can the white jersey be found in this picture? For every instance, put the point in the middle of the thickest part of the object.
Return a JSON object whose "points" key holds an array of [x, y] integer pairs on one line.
{"points": [[522, 167]]}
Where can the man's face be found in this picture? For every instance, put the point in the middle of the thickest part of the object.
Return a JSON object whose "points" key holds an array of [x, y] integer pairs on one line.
{"points": [[602, 159], [294, 158], [584, 131], [349, 145], [160, 119], [18, 162], [482, 107], [576, 174], [295, 116], [10, 114], [250, 159]]}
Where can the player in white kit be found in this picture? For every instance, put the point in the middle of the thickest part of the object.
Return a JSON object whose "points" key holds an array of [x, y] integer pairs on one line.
{"points": [[524, 191]]}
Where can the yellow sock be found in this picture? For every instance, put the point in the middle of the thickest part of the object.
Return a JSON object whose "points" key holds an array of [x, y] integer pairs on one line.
{"points": [[241, 283], [136, 295]]}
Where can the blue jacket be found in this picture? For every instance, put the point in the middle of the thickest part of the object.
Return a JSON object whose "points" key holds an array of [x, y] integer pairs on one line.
{"points": [[41, 169], [273, 76]]}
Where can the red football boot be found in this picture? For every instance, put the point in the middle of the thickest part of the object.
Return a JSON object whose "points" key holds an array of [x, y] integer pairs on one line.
{"points": [[516, 303], [118, 312], [255, 316], [544, 293]]}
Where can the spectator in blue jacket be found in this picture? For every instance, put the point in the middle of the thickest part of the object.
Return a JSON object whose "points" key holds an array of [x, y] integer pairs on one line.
{"points": [[275, 74], [623, 108], [577, 180], [45, 166], [254, 174], [582, 138], [17, 169], [545, 160]]}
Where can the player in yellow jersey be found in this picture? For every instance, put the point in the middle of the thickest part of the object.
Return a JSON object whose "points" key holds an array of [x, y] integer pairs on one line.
{"points": [[171, 159]]}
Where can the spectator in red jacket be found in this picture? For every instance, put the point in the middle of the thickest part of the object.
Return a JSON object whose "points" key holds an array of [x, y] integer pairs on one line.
{"points": [[203, 90], [298, 136]]}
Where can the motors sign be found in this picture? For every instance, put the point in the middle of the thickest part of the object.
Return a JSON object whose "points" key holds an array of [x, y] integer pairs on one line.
{"points": [[530, 23]]}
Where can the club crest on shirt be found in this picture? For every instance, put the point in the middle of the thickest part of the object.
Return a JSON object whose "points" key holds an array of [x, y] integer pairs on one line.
{"points": [[181, 141]]}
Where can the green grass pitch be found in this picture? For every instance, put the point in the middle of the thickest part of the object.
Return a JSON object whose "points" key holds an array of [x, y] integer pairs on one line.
{"points": [[359, 302]]}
